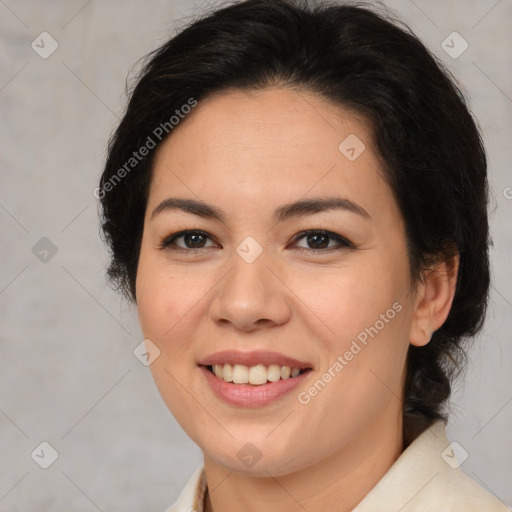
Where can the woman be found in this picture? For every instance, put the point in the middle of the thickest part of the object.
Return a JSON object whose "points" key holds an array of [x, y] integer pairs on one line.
{"points": [[296, 201]]}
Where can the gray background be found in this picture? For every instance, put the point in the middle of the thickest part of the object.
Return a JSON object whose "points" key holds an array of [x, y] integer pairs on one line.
{"points": [[68, 374]]}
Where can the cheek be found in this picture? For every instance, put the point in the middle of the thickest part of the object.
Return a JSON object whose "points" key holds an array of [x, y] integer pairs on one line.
{"points": [[163, 297], [351, 299], [366, 312], [168, 302]]}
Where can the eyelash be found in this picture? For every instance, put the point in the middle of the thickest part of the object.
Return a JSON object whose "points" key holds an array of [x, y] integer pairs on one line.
{"points": [[342, 242]]}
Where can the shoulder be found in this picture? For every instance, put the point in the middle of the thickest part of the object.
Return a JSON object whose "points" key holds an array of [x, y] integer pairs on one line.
{"points": [[456, 491], [428, 477], [192, 496]]}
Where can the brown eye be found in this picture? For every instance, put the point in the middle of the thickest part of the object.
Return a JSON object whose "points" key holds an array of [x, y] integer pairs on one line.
{"points": [[191, 240], [316, 239]]}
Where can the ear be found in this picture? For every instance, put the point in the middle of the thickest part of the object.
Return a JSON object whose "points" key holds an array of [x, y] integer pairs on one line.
{"points": [[434, 297]]}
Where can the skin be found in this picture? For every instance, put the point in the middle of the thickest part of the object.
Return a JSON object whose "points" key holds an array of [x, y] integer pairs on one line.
{"points": [[248, 153]]}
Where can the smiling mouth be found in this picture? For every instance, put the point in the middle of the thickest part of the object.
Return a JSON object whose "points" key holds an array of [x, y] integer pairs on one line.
{"points": [[255, 375]]}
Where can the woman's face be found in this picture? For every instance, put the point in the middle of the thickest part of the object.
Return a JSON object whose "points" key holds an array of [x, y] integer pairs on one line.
{"points": [[251, 290]]}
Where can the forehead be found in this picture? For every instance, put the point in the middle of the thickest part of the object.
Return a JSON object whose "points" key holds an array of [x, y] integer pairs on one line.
{"points": [[250, 148]]}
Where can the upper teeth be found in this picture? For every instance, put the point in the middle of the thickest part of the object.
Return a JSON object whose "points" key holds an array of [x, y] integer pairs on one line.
{"points": [[259, 374]]}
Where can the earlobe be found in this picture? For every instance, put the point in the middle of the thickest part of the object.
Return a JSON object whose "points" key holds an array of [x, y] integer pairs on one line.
{"points": [[433, 301]]}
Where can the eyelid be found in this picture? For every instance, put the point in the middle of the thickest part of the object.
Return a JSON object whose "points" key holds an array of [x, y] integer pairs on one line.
{"points": [[340, 240], [168, 240]]}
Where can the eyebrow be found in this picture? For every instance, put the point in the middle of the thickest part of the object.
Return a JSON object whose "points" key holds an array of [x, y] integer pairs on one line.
{"points": [[299, 208]]}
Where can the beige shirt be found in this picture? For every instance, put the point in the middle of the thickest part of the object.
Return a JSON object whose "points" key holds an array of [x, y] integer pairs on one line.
{"points": [[425, 478]]}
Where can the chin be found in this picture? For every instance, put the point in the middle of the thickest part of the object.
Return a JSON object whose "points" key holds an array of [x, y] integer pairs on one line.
{"points": [[249, 460]]}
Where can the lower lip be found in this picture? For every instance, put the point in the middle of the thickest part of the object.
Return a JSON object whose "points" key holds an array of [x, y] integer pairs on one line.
{"points": [[248, 395]]}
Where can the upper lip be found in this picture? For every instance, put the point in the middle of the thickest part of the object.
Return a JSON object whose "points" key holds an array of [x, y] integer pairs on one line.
{"points": [[252, 359]]}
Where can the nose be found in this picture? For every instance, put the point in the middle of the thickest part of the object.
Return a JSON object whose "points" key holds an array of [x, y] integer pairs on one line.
{"points": [[251, 296]]}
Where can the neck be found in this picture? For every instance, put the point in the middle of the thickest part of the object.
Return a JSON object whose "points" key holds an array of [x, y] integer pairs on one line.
{"points": [[338, 482]]}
